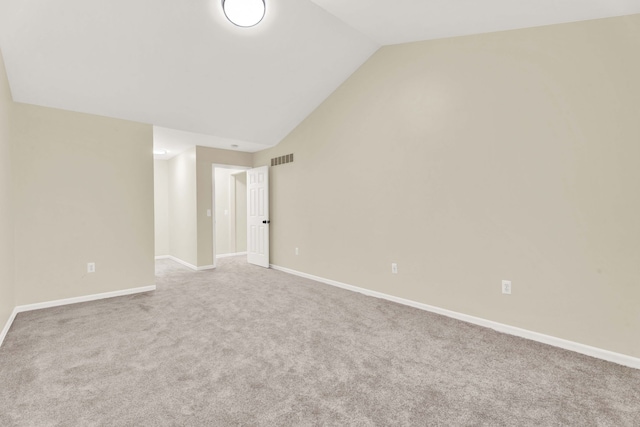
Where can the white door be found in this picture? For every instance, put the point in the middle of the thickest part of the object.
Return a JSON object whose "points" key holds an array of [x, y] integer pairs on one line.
{"points": [[258, 216]]}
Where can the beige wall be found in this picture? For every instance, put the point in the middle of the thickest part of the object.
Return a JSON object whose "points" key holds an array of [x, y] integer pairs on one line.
{"points": [[206, 157], [510, 155], [161, 206], [183, 232], [222, 211], [83, 193], [7, 300], [241, 211], [189, 181]]}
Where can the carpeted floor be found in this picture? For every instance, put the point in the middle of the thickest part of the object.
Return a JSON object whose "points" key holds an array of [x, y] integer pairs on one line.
{"points": [[243, 345]]}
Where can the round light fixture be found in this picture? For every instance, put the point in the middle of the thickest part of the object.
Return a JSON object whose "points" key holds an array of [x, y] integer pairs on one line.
{"points": [[244, 13], [159, 152]]}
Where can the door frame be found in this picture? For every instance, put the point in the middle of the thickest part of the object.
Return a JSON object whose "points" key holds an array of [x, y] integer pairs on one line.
{"points": [[213, 201]]}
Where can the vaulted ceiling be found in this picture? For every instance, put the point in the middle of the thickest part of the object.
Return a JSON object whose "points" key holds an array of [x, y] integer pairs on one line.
{"points": [[181, 66], [401, 21]]}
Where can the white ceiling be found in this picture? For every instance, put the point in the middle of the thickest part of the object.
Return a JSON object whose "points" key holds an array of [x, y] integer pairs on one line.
{"points": [[402, 21], [181, 66], [176, 141]]}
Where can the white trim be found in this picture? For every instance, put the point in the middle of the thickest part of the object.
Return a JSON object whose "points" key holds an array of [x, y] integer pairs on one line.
{"points": [[67, 301], [232, 212], [163, 257], [85, 298], [7, 326], [230, 255], [186, 264], [621, 359]]}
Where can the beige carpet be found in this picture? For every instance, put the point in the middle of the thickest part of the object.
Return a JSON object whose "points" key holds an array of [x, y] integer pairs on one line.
{"points": [[243, 345]]}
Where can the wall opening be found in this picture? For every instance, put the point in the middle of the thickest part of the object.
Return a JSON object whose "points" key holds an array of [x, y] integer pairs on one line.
{"points": [[229, 210]]}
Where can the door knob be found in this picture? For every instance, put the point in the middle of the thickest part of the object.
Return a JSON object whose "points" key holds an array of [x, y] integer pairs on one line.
{"points": [[266, 222]]}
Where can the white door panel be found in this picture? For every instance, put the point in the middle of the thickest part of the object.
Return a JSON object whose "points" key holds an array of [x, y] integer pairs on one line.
{"points": [[258, 212]]}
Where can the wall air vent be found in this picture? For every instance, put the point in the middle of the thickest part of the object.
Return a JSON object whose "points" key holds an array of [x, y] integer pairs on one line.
{"points": [[277, 161]]}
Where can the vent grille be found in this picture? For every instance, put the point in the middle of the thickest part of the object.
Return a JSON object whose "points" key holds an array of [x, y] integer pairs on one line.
{"points": [[277, 161]]}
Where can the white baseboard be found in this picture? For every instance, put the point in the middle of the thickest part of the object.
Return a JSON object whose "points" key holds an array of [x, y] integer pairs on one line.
{"points": [[230, 255], [7, 326], [85, 298], [67, 301], [621, 359], [186, 264]]}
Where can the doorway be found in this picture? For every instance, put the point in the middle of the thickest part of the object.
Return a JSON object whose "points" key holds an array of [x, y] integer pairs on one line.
{"points": [[229, 211]]}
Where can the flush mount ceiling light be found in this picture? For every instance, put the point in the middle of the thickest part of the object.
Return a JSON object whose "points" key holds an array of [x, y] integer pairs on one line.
{"points": [[244, 13], [159, 152]]}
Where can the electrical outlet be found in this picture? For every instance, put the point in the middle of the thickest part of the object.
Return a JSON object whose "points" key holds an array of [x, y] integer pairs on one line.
{"points": [[506, 287], [394, 268], [91, 267], [297, 251]]}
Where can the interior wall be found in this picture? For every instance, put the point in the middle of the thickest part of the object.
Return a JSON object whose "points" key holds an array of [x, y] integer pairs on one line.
{"points": [[183, 231], [222, 209], [241, 211], [510, 155], [83, 193], [7, 286], [206, 157], [161, 206]]}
